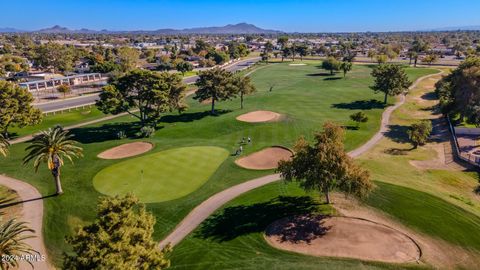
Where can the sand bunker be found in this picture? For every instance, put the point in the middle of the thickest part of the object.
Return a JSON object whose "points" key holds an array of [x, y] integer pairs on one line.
{"points": [[297, 64], [265, 159], [126, 150], [260, 116], [342, 237]]}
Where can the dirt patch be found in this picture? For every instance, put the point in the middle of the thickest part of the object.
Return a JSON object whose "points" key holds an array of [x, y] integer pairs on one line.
{"points": [[438, 163], [344, 237], [126, 150], [265, 159], [435, 252], [259, 117]]}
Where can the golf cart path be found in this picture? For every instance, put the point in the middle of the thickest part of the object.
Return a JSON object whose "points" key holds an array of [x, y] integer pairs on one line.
{"points": [[209, 206], [32, 212]]}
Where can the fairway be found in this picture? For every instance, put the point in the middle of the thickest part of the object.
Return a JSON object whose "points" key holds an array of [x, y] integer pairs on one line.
{"points": [[306, 96], [163, 176]]}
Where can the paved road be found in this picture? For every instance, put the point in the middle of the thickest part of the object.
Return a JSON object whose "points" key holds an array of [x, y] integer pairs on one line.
{"points": [[209, 206], [89, 99]]}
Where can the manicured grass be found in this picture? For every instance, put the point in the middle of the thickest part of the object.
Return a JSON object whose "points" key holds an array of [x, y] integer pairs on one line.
{"points": [[190, 73], [61, 118], [428, 214], [306, 94], [183, 171], [232, 238]]}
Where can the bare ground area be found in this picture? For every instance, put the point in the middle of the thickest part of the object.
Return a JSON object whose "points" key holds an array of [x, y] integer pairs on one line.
{"points": [[344, 237], [435, 252], [265, 159], [260, 116], [126, 150]]}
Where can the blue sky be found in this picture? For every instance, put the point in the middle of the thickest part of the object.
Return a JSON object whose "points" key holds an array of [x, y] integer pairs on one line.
{"points": [[290, 16]]}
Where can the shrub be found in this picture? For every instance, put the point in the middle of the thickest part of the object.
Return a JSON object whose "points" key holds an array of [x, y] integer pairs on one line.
{"points": [[121, 135], [419, 132], [146, 132]]}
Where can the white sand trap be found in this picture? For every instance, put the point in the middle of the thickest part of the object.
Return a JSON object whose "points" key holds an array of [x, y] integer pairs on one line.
{"points": [[265, 159], [297, 64], [126, 150], [259, 117], [342, 237]]}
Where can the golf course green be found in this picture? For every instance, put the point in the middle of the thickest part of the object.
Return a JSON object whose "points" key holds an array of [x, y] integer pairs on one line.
{"points": [[162, 176]]}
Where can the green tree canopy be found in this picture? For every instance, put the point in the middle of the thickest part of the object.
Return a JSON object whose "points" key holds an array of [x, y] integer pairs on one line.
{"points": [[390, 79], [244, 87], [459, 92], [346, 66], [418, 133], [302, 50], [331, 64], [325, 166], [127, 58], [16, 107], [4, 144], [215, 85], [144, 95], [55, 56], [64, 89], [120, 238], [184, 66], [359, 117]]}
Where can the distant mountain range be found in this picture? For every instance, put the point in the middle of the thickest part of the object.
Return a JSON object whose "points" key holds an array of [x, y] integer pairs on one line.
{"points": [[461, 28], [240, 28]]}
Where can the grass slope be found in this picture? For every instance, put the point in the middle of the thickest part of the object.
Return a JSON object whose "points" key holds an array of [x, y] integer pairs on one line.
{"points": [[233, 237], [306, 94], [183, 171], [428, 214], [62, 118]]}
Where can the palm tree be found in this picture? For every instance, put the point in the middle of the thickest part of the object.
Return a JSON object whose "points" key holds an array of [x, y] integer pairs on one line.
{"points": [[3, 146], [12, 236], [51, 147], [12, 245]]}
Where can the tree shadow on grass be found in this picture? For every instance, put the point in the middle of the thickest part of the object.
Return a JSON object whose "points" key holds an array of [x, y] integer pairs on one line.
{"points": [[106, 132], [332, 79], [360, 105], [9, 204], [397, 151], [240, 220], [351, 127], [397, 133], [321, 74], [190, 117], [429, 96], [300, 228]]}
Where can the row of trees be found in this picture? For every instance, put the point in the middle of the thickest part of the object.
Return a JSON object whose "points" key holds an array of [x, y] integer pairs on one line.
{"points": [[459, 92], [147, 95]]}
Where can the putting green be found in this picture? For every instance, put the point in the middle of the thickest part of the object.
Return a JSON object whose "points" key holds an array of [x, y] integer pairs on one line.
{"points": [[162, 176]]}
